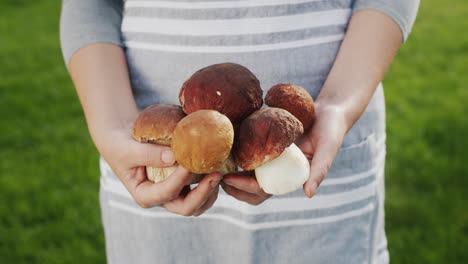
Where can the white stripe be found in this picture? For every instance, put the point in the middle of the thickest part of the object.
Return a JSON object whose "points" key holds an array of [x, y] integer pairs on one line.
{"points": [[383, 257], [114, 187], [210, 5], [296, 204], [276, 205], [242, 26], [234, 49], [382, 245], [243, 224]]}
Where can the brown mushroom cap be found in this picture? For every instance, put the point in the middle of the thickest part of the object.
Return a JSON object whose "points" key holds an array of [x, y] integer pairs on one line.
{"points": [[229, 88], [264, 135], [156, 123], [295, 100], [202, 141]]}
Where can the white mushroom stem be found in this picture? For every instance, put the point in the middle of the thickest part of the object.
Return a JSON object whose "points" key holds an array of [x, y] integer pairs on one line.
{"points": [[285, 174], [159, 174]]}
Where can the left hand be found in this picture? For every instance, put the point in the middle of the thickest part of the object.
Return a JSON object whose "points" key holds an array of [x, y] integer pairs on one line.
{"points": [[244, 187], [321, 144]]}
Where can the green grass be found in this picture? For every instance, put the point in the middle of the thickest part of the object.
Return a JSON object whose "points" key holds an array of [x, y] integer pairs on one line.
{"points": [[49, 210], [426, 170]]}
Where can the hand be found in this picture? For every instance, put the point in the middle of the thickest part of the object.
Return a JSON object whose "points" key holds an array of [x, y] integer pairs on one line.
{"points": [[321, 144], [244, 187], [100, 74], [128, 159]]}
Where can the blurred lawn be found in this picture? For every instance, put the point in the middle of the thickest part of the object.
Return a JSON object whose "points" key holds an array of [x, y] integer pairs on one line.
{"points": [[49, 210]]}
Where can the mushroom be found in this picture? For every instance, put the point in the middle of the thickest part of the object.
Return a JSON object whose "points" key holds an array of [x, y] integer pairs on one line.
{"points": [[229, 88], [202, 142], [295, 100], [264, 143], [156, 124]]}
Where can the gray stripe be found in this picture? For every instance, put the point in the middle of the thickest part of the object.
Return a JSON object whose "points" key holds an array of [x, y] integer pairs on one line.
{"points": [[333, 189], [257, 39], [283, 216], [185, 1], [236, 13], [345, 187]]}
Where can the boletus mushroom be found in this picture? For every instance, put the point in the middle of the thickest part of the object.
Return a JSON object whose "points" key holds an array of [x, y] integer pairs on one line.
{"points": [[156, 124], [228, 88], [265, 143], [202, 142], [295, 100]]}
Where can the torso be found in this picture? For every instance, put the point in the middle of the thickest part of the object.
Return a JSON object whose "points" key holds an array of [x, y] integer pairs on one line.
{"points": [[280, 41]]}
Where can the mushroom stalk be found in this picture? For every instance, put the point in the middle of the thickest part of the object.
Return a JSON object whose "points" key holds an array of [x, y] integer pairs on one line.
{"points": [[286, 173], [159, 174]]}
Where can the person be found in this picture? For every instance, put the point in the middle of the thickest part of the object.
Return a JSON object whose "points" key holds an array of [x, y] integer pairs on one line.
{"points": [[126, 55]]}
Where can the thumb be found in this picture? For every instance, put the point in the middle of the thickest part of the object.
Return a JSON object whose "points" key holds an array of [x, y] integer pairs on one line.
{"points": [[152, 155], [322, 159]]}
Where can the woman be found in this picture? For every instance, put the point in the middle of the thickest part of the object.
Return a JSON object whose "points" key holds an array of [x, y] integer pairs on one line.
{"points": [[123, 57]]}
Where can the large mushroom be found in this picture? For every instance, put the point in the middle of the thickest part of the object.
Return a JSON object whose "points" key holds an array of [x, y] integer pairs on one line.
{"points": [[265, 143], [295, 100], [202, 142], [156, 124], [228, 88]]}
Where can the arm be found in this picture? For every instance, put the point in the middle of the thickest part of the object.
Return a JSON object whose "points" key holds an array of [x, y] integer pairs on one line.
{"points": [[370, 44], [100, 75], [374, 35]]}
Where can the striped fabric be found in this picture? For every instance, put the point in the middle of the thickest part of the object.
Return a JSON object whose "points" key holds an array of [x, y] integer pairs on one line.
{"points": [[281, 41], [354, 192], [343, 223]]}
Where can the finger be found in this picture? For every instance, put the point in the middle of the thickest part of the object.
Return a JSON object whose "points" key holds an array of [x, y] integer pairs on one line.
{"points": [[180, 177], [196, 197], [321, 162], [209, 203], [147, 193], [306, 145], [245, 183], [240, 195], [133, 178], [153, 155]]}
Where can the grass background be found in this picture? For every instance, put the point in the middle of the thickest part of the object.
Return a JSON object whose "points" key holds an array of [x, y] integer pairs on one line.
{"points": [[49, 209]]}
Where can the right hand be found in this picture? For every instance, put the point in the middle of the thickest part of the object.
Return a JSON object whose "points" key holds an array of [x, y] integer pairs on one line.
{"points": [[128, 159], [100, 74]]}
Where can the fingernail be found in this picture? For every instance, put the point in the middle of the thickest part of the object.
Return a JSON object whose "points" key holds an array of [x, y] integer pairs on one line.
{"points": [[167, 157], [312, 189]]}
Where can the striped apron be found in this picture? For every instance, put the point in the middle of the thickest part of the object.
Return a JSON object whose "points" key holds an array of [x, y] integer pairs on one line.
{"points": [[280, 41]]}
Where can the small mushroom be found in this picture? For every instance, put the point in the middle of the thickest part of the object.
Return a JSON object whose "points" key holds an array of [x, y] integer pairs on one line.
{"points": [[264, 143], [228, 88], [202, 142], [156, 124], [295, 100]]}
